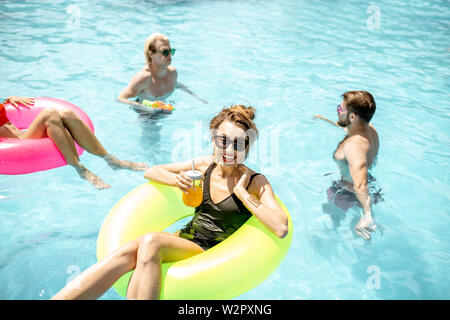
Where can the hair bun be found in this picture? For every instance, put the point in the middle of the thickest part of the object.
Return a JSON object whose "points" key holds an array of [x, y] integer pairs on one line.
{"points": [[248, 112]]}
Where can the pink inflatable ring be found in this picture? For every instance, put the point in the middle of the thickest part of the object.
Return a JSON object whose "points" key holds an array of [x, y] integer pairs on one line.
{"points": [[20, 156]]}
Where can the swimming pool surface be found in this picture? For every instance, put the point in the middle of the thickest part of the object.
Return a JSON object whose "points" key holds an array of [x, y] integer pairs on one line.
{"points": [[289, 59]]}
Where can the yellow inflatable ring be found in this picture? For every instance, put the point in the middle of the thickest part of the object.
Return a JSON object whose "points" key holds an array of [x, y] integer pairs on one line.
{"points": [[234, 266]]}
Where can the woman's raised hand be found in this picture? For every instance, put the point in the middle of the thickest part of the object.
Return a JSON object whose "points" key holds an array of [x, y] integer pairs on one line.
{"points": [[240, 189]]}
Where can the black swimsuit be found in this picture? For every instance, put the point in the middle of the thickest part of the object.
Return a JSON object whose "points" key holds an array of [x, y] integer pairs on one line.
{"points": [[214, 222]]}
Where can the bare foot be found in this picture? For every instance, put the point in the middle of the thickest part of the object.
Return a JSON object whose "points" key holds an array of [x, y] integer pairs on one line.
{"points": [[115, 163], [91, 177]]}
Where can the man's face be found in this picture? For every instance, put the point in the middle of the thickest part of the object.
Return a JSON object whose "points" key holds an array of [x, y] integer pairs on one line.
{"points": [[163, 55], [343, 116]]}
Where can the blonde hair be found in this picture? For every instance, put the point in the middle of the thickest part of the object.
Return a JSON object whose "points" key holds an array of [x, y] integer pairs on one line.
{"points": [[150, 44]]}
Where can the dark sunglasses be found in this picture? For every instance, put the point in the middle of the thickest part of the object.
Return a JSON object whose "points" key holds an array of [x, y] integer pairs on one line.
{"points": [[238, 144], [166, 52]]}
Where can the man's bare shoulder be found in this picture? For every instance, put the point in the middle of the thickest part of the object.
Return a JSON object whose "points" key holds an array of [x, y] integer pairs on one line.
{"points": [[356, 143], [373, 131], [143, 74], [172, 72], [141, 79]]}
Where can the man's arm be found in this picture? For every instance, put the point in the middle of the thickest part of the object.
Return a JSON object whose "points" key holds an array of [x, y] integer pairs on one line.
{"points": [[181, 86], [132, 90], [329, 121], [356, 156]]}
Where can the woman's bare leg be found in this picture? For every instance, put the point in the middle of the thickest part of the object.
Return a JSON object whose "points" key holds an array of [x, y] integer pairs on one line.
{"points": [[88, 141], [146, 279], [81, 133], [96, 280], [49, 124], [154, 249], [115, 163]]}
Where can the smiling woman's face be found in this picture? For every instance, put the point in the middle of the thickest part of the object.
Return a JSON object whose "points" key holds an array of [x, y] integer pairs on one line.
{"points": [[225, 140]]}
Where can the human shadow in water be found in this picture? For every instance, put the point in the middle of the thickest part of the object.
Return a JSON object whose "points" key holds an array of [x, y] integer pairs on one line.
{"points": [[150, 123]]}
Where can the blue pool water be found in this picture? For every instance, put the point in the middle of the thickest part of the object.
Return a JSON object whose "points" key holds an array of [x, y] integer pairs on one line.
{"points": [[290, 59]]}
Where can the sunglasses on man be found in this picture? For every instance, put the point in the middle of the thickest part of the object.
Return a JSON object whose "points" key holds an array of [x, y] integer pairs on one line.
{"points": [[166, 52]]}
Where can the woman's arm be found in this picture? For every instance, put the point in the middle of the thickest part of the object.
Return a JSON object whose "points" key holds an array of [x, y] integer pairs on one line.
{"points": [[172, 174], [263, 205], [166, 173]]}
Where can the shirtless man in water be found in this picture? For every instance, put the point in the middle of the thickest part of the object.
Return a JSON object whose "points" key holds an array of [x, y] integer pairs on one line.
{"points": [[356, 153], [157, 80]]}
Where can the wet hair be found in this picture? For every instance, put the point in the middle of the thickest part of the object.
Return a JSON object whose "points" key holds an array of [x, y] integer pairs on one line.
{"points": [[240, 115], [150, 44], [360, 102]]}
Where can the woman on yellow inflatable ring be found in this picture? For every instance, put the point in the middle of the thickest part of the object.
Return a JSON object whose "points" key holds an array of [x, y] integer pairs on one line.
{"points": [[232, 193]]}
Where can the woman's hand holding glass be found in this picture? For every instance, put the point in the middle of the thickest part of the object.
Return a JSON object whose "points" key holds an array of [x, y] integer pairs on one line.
{"points": [[183, 182]]}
